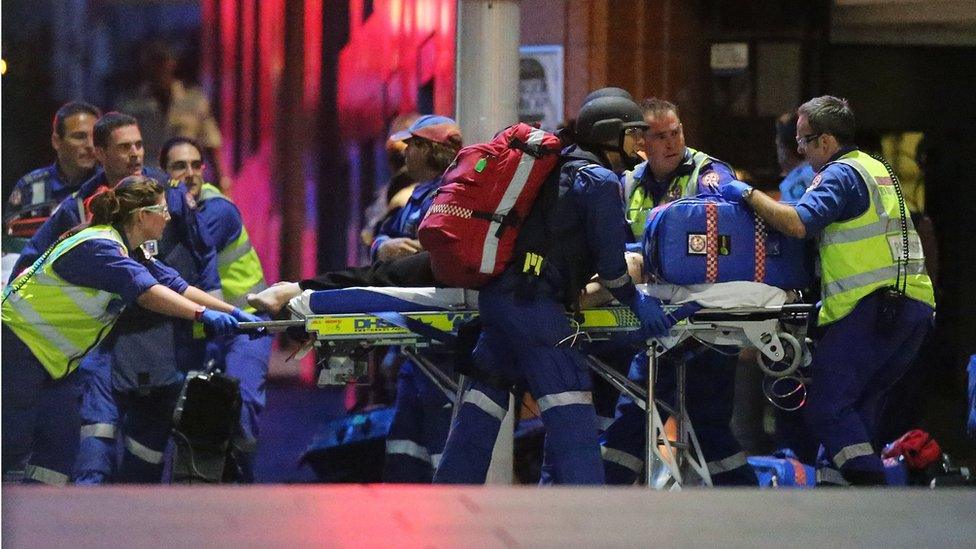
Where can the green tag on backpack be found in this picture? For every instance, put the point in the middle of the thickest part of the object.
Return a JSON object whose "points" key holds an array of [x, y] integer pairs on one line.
{"points": [[480, 165]]}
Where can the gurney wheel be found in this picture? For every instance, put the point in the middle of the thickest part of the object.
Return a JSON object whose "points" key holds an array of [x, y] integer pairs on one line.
{"points": [[792, 356]]}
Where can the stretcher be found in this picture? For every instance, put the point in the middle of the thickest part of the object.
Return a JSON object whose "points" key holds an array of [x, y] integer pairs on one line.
{"points": [[345, 324]]}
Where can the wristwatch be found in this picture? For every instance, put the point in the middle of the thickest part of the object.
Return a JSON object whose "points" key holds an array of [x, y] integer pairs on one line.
{"points": [[746, 193]]}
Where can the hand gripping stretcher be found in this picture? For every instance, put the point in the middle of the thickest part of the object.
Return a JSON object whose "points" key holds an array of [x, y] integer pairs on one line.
{"points": [[345, 324]]}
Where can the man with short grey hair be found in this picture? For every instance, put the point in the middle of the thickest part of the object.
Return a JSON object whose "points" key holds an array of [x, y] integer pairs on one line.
{"points": [[877, 299]]}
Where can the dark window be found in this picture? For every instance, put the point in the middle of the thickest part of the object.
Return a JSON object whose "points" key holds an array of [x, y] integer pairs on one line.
{"points": [[367, 9], [425, 98]]}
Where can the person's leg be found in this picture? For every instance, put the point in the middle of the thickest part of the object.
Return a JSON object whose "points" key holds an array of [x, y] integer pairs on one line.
{"points": [[623, 442], [467, 453], [852, 354], [560, 382], [56, 433], [710, 390], [99, 412], [146, 431], [247, 360], [407, 458], [23, 383]]}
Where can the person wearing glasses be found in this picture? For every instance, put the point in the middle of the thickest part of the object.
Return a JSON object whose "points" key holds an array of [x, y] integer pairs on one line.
{"points": [[877, 298], [672, 171], [59, 309], [146, 351], [525, 331], [239, 356]]}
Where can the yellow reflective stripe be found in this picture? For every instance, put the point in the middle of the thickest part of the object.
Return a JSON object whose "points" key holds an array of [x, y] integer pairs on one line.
{"points": [[407, 448], [45, 475], [862, 280], [98, 430], [66, 349], [143, 452], [567, 398], [621, 458], [848, 453], [827, 475], [234, 251], [487, 405], [93, 303], [728, 464]]}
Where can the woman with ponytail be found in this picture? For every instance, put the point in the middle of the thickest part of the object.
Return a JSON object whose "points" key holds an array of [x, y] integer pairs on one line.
{"points": [[65, 303]]}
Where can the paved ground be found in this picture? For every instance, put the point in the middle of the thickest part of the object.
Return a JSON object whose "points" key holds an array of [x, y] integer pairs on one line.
{"points": [[428, 516]]}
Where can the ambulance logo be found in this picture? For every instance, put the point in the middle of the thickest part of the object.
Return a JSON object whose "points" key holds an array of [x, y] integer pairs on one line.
{"points": [[710, 180], [814, 183]]}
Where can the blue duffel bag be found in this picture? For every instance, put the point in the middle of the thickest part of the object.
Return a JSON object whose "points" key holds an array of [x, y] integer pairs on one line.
{"points": [[782, 470], [705, 239]]}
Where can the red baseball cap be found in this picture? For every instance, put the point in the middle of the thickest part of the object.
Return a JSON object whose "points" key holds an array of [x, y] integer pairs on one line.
{"points": [[439, 129]]}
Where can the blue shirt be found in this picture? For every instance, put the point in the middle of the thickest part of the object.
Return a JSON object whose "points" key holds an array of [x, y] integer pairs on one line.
{"points": [[591, 204], [43, 186], [836, 194], [796, 182], [199, 269], [405, 222], [221, 220], [99, 263], [713, 173]]}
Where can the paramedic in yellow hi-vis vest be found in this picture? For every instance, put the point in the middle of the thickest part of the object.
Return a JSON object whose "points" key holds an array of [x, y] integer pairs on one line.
{"points": [[672, 171], [240, 355], [58, 310], [877, 300]]}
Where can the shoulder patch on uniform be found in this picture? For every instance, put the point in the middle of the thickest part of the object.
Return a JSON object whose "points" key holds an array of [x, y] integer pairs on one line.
{"points": [[815, 182], [15, 198], [711, 179]]}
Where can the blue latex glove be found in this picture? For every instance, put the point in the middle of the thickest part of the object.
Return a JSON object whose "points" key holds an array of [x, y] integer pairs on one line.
{"points": [[242, 316], [217, 323], [653, 321], [732, 191]]}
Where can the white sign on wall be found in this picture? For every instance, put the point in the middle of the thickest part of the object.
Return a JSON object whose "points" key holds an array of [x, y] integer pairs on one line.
{"points": [[541, 86]]}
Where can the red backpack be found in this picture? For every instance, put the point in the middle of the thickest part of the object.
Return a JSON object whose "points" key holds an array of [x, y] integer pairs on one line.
{"points": [[471, 227]]}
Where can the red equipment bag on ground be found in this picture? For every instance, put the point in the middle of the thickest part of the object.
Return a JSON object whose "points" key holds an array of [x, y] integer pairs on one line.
{"points": [[917, 447], [471, 227]]}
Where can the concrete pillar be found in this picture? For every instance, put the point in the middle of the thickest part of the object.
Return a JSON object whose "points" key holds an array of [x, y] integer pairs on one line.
{"points": [[487, 70], [487, 67]]}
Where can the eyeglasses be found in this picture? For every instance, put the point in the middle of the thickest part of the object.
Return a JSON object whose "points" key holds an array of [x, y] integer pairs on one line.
{"points": [[634, 131], [160, 209], [183, 164], [804, 140]]}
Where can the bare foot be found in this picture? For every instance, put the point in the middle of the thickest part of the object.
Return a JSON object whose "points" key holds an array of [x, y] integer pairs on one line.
{"points": [[273, 298]]}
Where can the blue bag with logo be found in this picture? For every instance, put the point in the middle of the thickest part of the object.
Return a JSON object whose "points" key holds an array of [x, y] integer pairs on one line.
{"points": [[705, 239]]}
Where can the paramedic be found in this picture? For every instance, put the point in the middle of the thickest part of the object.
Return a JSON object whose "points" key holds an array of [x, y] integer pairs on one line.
{"points": [[526, 332], [59, 309], [240, 356], [674, 170], [877, 299]]}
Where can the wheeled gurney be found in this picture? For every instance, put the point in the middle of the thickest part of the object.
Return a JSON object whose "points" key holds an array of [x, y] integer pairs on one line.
{"points": [[345, 324]]}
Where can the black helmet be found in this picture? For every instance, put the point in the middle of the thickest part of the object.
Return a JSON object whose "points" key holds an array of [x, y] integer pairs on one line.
{"points": [[609, 91], [604, 119]]}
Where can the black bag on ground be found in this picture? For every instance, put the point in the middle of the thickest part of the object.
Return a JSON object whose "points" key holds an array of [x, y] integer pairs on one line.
{"points": [[204, 423]]}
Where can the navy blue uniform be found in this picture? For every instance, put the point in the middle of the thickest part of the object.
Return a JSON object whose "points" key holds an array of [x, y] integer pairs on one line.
{"points": [[40, 415], [526, 337], [239, 356], [854, 364], [38, 192], [423, 413], [147, 352]]}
